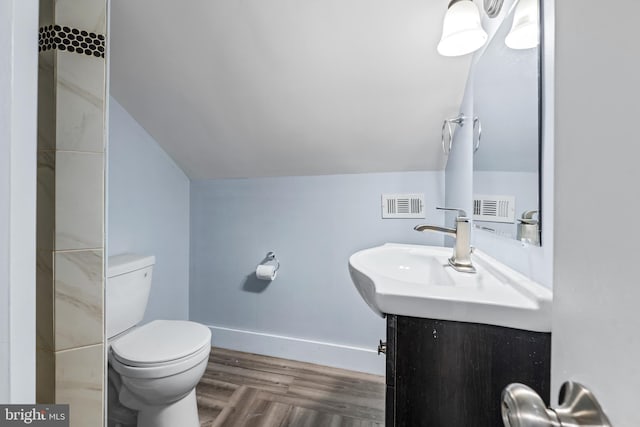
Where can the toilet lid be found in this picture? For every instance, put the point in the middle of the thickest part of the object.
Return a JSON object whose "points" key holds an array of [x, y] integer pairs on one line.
{"points": [[161, 341]]}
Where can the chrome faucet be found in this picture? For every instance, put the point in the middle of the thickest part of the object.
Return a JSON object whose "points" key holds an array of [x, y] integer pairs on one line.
{"points": [[461, 258]]}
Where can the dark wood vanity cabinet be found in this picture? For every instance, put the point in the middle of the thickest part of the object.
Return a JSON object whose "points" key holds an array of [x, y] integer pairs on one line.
{"points": [[451, 374]]}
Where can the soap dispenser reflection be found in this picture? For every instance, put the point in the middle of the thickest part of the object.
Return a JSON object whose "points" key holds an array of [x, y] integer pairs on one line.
{"points": [[529, 228]]}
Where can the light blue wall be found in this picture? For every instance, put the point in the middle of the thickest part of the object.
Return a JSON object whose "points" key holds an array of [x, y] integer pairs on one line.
{"points": [[148, 212], [313, 224], [5, 195], [18, 161]]}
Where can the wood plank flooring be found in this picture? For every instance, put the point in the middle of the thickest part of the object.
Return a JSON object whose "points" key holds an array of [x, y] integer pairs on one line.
{"points": [[249, 390]]}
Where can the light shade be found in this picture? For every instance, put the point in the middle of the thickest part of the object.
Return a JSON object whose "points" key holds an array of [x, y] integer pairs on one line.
{"points": [[462, 31], [525, 31]]}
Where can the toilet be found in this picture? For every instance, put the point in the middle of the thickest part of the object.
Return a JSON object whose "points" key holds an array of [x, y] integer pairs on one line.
{"points": [[153, 368]]}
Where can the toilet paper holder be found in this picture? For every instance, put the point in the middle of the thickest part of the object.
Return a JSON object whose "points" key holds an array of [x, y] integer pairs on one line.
{"points": [[271, 258]]}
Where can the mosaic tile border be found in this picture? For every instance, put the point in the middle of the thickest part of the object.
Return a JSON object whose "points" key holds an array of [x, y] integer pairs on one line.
{"points": [[71, 40]]}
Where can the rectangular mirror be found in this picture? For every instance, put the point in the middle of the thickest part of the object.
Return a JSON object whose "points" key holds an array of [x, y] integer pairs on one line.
{"points": [[506, 160]]}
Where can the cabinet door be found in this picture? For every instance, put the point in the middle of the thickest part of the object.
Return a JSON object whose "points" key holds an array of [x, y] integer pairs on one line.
{"points": [[452, 373]]}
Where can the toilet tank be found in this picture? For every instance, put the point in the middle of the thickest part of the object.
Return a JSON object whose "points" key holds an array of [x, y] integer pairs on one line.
{"points": [[127, 291]]}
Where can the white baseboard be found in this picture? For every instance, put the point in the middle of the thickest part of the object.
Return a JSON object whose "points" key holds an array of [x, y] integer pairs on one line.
{"points": [[322, 353]]}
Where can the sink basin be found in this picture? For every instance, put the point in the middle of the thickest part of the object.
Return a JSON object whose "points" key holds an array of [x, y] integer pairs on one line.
{"points": [[414, 280]]}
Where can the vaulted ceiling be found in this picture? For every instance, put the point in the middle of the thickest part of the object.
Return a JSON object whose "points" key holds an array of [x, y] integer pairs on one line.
{"points": [[248, 88]]}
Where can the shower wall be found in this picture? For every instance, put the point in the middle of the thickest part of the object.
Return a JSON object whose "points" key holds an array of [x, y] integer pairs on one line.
{"points": [[70, 234]]}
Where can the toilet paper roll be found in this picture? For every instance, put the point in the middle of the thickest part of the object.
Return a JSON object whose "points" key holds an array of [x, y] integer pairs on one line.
{"points": [[266, 272]]}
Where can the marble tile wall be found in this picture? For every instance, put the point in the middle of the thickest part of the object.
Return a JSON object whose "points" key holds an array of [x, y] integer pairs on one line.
{"points": [[79, 199], [70, 290], [78, 299], [79, 382]]}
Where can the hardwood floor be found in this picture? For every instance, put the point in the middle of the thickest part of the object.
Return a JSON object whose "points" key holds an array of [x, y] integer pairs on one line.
{"points": [[248, 390]]}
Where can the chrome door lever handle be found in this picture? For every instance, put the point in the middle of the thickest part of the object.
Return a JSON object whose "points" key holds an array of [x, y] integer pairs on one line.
{"points": [[523, 407]]}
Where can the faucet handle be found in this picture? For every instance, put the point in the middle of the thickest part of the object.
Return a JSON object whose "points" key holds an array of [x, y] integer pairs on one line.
{"points": [[461, 212], [527, 217]]}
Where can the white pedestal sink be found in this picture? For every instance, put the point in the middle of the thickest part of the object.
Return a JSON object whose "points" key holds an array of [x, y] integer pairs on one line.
{"points": [[414, 280]]}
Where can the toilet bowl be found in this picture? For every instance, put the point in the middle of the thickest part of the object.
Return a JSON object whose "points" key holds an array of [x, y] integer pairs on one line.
{"points": [[159, 365], [153, 368]]}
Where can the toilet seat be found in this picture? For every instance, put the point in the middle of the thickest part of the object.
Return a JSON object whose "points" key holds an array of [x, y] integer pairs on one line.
{"points": [[160, 370], [160, 348]]}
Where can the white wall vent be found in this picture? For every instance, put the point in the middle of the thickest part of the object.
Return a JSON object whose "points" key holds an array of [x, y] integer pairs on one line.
{"points": [[494, 208], [403, 206]]}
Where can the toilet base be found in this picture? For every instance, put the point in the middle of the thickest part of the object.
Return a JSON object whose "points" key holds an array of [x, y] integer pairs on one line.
{"points": [[183, 413]]}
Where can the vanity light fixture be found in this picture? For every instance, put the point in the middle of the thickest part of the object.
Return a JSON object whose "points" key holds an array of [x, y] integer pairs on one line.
{"points": [[525, 31], [462, 31]]}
